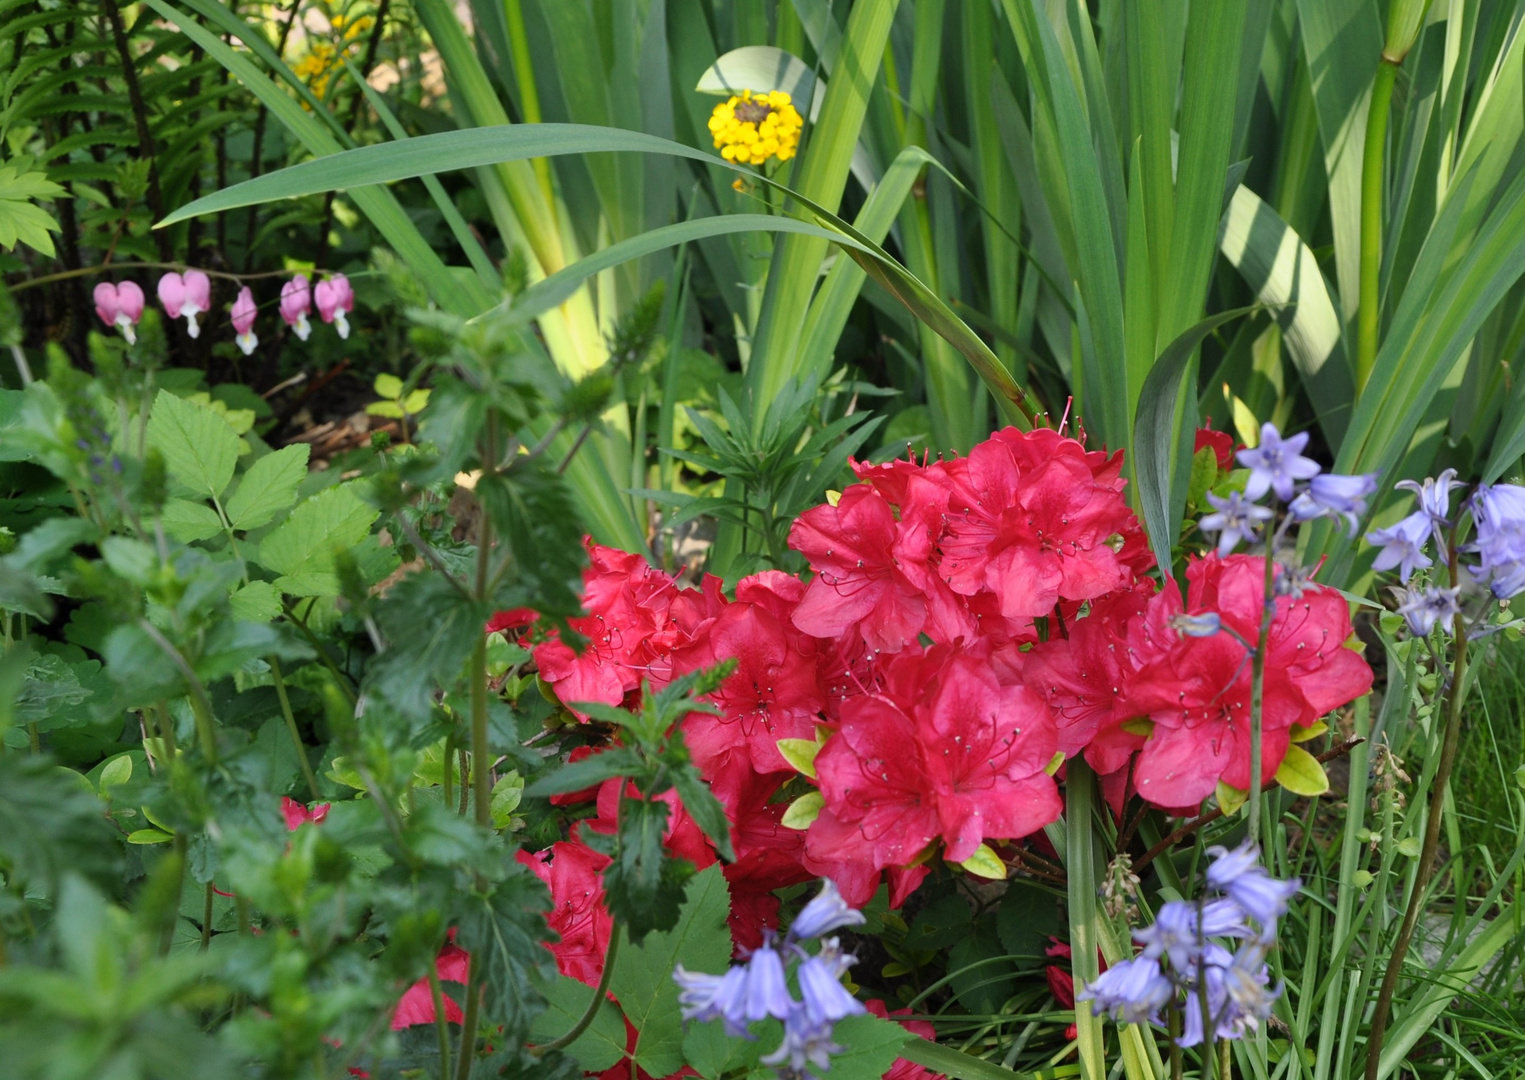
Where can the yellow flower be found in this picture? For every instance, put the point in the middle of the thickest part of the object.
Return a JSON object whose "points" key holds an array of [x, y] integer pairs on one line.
{"points": [[752, 128]]}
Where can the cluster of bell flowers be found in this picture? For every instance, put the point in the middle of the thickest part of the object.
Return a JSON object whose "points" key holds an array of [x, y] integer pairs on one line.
{"points": [[189, 294], [1183, 966], [759, 988]]}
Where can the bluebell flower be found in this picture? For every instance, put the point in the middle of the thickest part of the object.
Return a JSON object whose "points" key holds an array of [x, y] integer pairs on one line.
{"points": [[1239, 875], [714, 997], [1277, 464], [807, 1046], [1423, 608], [1235, 989], [1499, 513], [767, 991], [1130, 991], [1402, 545], [1334, 495], [825, 913], [1434, 495], [1235, 520], [1177, 937], [824, 997]]}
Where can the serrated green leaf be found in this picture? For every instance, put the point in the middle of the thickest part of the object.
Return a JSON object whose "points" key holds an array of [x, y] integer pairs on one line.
{"points": [[642, 979], [301, 550], [268, 488], [258, 601], [597, 1048], [1301, 773], [644, 885], [189, 521], [200, 449]]}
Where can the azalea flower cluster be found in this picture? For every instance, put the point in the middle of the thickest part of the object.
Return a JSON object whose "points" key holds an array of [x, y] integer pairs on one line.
{"points": [[1494, 570], [1183, 968], [187, 295], [758, 988], [970, 624]]}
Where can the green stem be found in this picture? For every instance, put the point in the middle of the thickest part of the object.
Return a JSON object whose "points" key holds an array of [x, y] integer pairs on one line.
{"points": [[468, 1051], [598, 997], [1258, 690], [206, 919], [481, 773], [441, 1025], [201, 707], [1426, 866], [1080, 871], [1372, 162], [291, 728]]}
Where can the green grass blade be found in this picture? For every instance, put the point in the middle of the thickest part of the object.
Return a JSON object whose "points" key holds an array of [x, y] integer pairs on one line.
{"points": [[458, 227], [821, 177], [1281, 269], [1155, 435]]}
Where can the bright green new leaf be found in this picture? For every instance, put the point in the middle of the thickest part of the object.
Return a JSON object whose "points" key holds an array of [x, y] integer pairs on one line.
{"points": [[20, 220], [506, 795], [388, 386], [268, 487], [800, 753], [804, 810], [985, 863], [148, 836], [117, 771], [1301, 773], [199, 447], [1230, 798]]}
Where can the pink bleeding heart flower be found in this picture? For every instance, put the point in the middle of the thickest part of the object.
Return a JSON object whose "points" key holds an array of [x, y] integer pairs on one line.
{"points": [[296, 302], [244, 311], [120, 306], [334, 297], [189, 294]]}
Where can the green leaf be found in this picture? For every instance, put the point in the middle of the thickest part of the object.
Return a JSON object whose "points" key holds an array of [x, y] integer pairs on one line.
{"points": [[189, 521], [577, 775], [870, 1044], [504, 931], [302, 548], [1301, 773], [268, 487], [957, 1065], [388, 386], [704, 808], [1204, 473], [199, 447], [985, 863], [642, 979], [644, 885], [804, 810], [258, 601], [506, 795], [1155, 431], [760, 68], [597, 1048], [19, 219]]}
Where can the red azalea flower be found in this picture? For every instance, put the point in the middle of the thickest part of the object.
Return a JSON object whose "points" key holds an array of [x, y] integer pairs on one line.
{"points": [[1222, 444], [1061, 983], [512, 619], [1083, 678], [945, 752], [858, 585], [627, 602], [417, 1003], [773, 693], [587, 794], [297, 814], [571, 870], [1030, 516], [1197, 690], [903, 1069]]}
